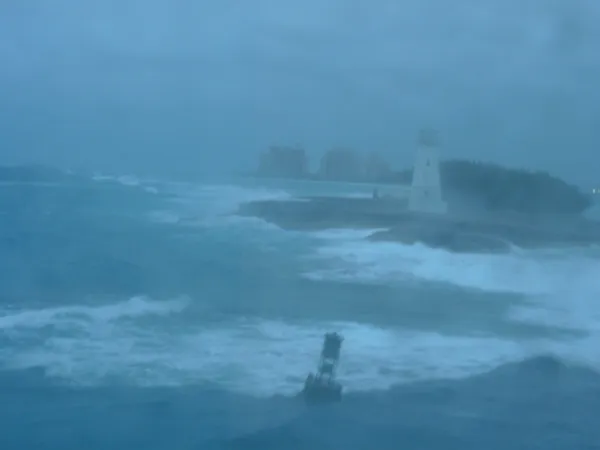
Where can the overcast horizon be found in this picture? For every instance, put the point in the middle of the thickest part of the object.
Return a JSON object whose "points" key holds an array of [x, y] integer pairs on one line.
{"points": [[185, 88]]}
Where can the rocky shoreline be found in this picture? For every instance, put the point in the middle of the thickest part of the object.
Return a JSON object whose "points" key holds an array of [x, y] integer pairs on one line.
{"points": [[450, 232]]}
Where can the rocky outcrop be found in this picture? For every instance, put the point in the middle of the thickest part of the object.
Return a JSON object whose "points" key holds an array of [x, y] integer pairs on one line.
{"points": [[341, 164], [446, 238], [376, 168], [456, 234], [283, 162], [475, 236]]}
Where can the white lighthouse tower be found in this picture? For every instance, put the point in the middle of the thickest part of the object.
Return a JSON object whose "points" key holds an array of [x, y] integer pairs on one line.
{"points": [[426, 189]]}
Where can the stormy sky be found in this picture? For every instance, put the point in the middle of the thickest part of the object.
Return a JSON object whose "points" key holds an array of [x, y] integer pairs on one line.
{"points": [[190, 86]]}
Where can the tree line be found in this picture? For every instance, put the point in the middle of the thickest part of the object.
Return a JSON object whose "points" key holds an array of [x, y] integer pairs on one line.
{"points": [[500, 188]]}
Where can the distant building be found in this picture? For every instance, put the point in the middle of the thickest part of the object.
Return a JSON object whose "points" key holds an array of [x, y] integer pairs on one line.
{"points": [[341, 164], [284, 162], [376, 168]]}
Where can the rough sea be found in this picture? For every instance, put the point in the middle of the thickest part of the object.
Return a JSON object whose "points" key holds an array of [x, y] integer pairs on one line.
{"points": [[144, 315]]}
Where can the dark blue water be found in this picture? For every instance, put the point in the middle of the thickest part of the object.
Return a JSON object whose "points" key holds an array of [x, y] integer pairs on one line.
{"points": [[145, 316]]}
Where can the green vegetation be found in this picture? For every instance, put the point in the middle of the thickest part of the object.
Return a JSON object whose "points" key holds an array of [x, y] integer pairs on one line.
{"points": [[493, 187], [504, 189], [501, 188]]}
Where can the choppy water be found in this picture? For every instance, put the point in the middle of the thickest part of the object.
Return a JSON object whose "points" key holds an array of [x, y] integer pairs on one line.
{"points": [[144, 315]]}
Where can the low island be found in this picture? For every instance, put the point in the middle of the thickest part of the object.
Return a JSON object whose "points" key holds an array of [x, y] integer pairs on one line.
{"points": [[483, 207]]}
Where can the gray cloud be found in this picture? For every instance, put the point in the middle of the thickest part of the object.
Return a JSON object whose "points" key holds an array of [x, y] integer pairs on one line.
{"points": [[150, 86]]}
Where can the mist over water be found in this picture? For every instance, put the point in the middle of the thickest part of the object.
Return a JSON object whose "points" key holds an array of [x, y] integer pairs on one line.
{"points": [[166, 289], [137, 311], [191, 90]]}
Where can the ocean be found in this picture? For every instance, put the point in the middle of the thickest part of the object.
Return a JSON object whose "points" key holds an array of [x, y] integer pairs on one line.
{"points": [[143, 314]]}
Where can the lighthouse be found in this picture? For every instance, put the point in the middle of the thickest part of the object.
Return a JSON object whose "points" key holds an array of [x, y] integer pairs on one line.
{"points": [[426, 189]]}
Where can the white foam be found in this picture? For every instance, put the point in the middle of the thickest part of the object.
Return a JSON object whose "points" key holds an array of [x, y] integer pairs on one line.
{"points": [[125, 180], [128, 180], [357, 195], [92, 345], [97, 176], [572, 302], [134, 307], [562, 286], [343, 234], [214, 205], [519, 272], [225, 198]]}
